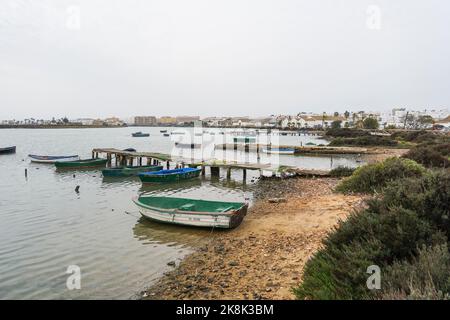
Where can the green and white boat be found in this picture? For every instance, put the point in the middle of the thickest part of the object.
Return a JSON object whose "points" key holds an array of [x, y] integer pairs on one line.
{"points": [[86, 163], [191, 212], [173, 175], [129, 171]]}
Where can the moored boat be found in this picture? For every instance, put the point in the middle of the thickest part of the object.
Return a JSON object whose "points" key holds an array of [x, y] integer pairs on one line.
{"points": [[86, 163], [163, 131], [169, 175], [187, 145], [279, 150], [8, 150], [166, 135], [140, 134], [129, 171], [52, 159], [192, 212]]}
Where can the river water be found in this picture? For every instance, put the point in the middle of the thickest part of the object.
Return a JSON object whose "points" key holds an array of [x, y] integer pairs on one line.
{"points": [[45, 226]]}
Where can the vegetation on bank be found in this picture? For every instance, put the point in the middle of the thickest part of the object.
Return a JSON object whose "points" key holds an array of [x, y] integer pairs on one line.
{"points": [[373, 177], [341, 172], [364, 138], [404, 229]]}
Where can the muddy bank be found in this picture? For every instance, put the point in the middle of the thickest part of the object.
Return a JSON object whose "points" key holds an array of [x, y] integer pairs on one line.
{"points": [[264, 257]]}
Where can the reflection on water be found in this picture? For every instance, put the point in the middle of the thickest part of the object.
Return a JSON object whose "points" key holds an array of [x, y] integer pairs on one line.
{"points": [[47, 226]]}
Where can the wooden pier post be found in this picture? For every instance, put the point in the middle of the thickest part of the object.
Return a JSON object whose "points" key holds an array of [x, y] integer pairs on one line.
{"points": [[229, 173], [93, 154], [203, 170], [215, 171], [167, 164], [244, 175]]}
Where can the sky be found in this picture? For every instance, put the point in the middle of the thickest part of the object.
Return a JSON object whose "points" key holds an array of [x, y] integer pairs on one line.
{"points": [[100, 58]]}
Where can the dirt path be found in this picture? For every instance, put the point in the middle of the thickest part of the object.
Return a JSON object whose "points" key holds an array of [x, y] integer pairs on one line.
{"points": [[264, 257]]}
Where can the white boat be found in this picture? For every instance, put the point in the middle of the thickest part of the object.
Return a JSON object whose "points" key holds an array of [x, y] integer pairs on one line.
{"points": [[191, 212], [279, 150], [52, 159]]}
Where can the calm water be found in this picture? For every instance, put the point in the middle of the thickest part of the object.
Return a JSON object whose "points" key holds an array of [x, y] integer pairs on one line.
{"points": [[45, 226]]}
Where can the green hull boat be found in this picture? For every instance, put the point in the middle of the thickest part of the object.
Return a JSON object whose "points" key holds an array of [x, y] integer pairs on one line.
{"points": [[129, 171], [169, 175], [87, 163], [192, 212]]}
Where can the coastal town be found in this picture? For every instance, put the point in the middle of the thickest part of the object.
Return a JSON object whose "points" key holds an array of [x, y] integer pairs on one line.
{"points": [[397, 118]]}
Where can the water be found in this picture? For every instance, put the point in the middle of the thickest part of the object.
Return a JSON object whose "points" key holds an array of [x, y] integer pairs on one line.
{"points": [[45, 226]]}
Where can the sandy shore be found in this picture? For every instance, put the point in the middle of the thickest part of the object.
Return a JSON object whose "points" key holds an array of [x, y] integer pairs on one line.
{"points": [[264, 257]]}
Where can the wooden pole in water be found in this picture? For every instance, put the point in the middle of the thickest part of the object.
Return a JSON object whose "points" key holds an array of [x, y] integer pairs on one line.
{"points": [[244, 175], [229, 173], [168, 164], [203, 170]]}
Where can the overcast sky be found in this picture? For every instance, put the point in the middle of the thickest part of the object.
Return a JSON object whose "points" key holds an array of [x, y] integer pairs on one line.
{"points": [[98, 58]]}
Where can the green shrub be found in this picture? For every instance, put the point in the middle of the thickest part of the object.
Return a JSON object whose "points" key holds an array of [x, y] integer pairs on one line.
{"points": [[367, 238], [431, 156], [364, 141], [341, 171], [404, 230], [346, 132], [427, 276], [373, 177]]}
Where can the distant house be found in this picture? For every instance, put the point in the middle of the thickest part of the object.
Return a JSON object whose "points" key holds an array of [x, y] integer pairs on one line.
{"points": [[186, 119], [145, 121], [167, 120]]}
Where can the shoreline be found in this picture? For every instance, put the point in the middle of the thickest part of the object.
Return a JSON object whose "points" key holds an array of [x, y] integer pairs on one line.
{"points": [[264, 257]]}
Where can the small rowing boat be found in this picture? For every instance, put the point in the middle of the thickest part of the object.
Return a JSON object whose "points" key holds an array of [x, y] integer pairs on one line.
{"points": [[279, 150], [191, 212], [129, 171], [52, 159], [8, 150], [169, 175], [86, 163], [140, 134], [163, 131], [166, 135]]}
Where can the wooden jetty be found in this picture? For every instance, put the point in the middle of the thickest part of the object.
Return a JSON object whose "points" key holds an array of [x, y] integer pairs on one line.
{"points": [[121, 158], [127, 158]]}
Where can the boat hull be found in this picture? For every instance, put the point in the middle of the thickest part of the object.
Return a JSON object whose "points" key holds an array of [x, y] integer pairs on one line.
{"points": [[8, 150], [226, 220], [52, 159], [89, 163], [279, 151], [128, 171], [167, 176], [142, 135]]}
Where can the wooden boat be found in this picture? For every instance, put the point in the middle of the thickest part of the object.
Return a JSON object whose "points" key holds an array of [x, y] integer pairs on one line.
{"points": [[129, 171], [191, 212], [8, 150], [163, 131], [140, 134], [86, 163], [52, 159], [279, 150], [169, 175], [130, 150], [244, 139], [166, 135]]}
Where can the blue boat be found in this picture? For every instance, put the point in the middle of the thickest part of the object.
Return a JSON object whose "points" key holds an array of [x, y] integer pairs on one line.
{"points": [[173, 175]]}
